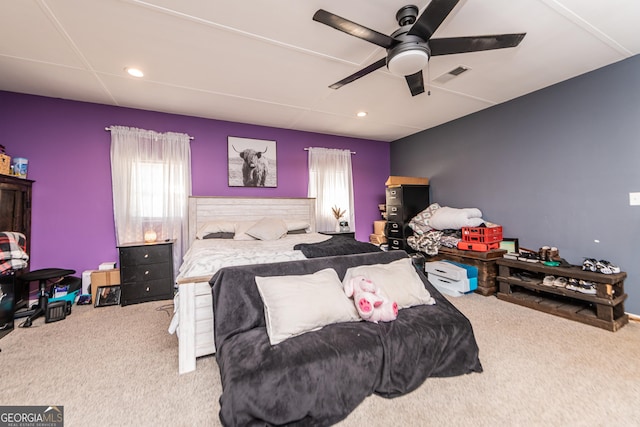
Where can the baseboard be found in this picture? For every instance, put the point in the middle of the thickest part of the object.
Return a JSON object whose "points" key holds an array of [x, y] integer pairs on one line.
{"points": [[633, 317]]}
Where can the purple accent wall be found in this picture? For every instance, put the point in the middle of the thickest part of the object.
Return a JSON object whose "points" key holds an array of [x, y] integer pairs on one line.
{"points": [[68, 152]]}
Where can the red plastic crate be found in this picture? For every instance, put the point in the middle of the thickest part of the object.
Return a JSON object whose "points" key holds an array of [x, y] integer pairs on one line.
{"points": [[482, 234], [478, 247]]}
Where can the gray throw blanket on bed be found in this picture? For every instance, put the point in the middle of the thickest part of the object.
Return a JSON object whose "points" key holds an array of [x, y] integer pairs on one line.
{"points": [[319, 377], [336, 245]]}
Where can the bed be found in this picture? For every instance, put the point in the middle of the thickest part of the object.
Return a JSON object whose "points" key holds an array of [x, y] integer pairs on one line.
{"points": [[193, 313], [316, 374]]}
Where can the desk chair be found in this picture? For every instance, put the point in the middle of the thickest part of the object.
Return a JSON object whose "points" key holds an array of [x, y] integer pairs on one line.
{"points": [[42, 276]]}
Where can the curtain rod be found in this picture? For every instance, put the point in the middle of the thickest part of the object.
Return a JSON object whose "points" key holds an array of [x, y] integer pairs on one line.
{"points": [[307, 149], [109, 130]]}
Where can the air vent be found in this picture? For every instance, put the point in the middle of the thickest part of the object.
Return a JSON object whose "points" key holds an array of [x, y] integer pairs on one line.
{"points": [[451, 74]]}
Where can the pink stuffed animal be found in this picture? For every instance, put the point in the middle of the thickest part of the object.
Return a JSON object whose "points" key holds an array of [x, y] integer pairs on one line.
{"points": [[372, 303]]}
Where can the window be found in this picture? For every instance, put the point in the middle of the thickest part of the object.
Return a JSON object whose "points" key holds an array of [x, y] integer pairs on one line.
{"points": [[331, 183], [151, 177]]}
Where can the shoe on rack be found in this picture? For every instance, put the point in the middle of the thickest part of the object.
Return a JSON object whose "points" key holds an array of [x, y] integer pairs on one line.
{"points": [[528, 257], [543, 253], [560, 282], [573, 285], [589, 264], [605, 267], [553, 254], [525, 276], [586, 287], [548, 280]]}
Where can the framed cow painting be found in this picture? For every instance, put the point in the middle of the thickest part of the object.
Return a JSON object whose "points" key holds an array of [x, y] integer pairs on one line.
{"points": [[252, 162]]}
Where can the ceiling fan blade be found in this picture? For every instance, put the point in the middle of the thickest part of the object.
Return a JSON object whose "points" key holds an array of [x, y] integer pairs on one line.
{"points": [[416, 83], [353, 29], [371, 68], [432, 17], [453, 45]]}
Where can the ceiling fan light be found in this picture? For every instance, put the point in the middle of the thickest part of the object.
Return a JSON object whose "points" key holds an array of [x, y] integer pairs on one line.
{"points": [[408, 62]]}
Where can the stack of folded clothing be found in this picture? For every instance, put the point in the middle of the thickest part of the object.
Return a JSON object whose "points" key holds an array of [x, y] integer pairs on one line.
{"points": [[452, 278], [13, 255]]}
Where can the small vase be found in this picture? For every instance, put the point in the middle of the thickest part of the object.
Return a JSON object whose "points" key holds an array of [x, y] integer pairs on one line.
{"points": [[337, 226]]}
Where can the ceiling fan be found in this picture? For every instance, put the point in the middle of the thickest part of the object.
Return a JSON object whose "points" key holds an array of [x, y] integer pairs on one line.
{"points": [[410, 46]]}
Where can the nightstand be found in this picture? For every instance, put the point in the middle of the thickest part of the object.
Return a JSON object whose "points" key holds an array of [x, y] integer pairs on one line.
{"points": [[146, 272]]}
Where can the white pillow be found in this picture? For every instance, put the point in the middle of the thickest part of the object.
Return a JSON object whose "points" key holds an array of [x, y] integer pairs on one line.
{"points": [[455, 218], [220, 226], [294, 305], [268, 229], [241, 228], [398, 279], [295, 225]]}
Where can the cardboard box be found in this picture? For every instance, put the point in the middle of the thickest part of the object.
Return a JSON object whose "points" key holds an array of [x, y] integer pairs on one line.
{"points": [[5, 164], [377, 239], [394, 181], [378, 227], [103, 278]]}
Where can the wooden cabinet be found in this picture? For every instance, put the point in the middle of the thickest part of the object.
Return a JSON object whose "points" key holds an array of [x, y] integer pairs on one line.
{"points": [[521, 283], [15, 206], [146, 272], [403, 203], [15, 215]]}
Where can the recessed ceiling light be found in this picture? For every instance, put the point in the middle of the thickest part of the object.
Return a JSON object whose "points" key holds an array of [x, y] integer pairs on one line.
{"points": [[362, 114], [135, 72]]}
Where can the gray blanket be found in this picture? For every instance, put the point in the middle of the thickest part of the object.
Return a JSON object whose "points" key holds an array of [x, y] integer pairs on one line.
{"points": [[336, 245], [319, 377]]}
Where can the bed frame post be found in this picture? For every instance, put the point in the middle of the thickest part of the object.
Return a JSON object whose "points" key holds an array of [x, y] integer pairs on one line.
{"points": [[187, 331]]}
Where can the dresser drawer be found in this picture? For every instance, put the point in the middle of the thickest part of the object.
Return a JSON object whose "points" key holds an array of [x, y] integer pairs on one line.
{"points": [[414, 198], [151, 254], [393, 196], [137, 273], [398, 230], [148, 290], [398, 244], [398, 214]]}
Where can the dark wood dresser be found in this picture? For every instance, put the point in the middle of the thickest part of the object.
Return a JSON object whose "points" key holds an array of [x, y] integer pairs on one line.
{"points": [[146, 272], [15, 206], [15, 215]]}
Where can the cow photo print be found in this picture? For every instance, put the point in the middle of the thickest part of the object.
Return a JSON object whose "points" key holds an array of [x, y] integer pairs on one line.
{"points": [[252, 162]]}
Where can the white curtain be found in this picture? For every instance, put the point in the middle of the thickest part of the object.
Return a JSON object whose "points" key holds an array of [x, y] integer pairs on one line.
{"points": [[151, 178], [331, 183]]}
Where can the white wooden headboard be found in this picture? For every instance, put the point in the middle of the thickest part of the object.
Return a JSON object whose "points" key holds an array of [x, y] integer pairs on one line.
{"points": [[203, 209]]}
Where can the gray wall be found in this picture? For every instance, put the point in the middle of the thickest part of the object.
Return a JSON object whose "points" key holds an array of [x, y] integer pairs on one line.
{"points": [[554, 167]]}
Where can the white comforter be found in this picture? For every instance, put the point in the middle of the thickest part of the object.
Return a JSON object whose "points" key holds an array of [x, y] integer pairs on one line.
{"points": [[205, 257]]}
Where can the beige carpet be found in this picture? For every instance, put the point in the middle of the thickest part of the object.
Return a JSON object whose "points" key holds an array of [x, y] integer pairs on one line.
{"points": [[117, 366]]}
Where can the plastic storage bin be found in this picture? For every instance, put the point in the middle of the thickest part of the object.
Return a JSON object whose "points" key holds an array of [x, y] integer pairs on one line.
{"points": [[482, 234]]}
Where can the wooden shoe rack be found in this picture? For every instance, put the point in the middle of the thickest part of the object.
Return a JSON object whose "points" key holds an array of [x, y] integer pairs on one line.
{"points": [[520, 282]]}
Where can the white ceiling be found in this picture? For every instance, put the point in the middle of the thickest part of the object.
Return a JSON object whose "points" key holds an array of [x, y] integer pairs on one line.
{"points": [[268, 63]]}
